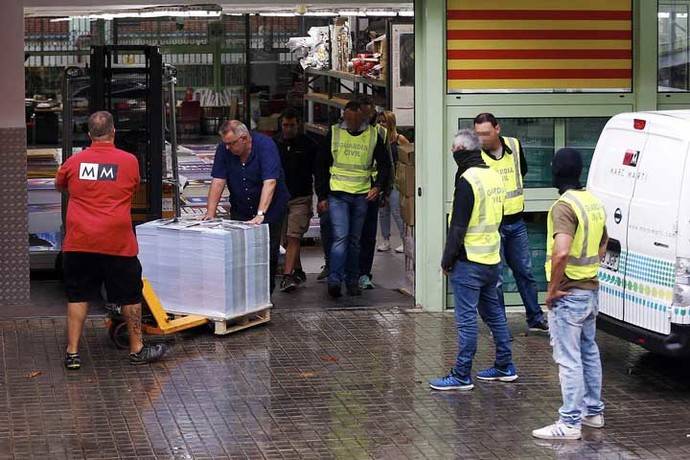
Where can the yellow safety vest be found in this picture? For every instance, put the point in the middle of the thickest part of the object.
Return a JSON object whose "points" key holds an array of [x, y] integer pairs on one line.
{"points": [[353, 160], [508, 167], [482, 240], [583, 260]]}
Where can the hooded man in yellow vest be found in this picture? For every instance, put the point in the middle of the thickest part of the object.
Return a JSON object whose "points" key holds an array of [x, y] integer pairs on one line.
{"points": [[576, 242], [353, 154], [471, 259], [505, 156]]}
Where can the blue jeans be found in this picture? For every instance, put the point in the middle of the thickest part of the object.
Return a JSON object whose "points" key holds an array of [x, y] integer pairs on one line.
{"points": [[515, 252], [474, 289], [347, 212], [326, 235], [573, 329], [392, 208], [368, 242]]}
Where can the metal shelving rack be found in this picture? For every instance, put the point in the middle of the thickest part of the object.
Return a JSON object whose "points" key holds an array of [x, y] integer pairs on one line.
{"points": [[334, 97]]}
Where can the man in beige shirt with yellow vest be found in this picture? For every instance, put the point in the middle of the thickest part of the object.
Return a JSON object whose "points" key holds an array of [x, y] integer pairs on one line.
{"points": [[505, 156], [576, 241]]}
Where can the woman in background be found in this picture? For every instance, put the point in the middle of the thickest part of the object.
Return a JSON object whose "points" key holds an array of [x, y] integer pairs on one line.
{"points": [[392, 204]]}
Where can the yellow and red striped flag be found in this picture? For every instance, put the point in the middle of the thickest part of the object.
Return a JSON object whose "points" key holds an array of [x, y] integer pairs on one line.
{"points": [[539, 45]]}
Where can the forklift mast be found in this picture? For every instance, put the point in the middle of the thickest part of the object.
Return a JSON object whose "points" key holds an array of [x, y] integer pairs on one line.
{"points": [[128, 82]]}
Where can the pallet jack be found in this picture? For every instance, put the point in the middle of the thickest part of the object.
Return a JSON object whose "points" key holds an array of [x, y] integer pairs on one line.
{"points": [[133, 83], [156, 321]]}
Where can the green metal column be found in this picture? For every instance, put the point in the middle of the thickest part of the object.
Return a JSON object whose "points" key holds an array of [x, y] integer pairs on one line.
{"points": [[431, 150], [645, 54]]}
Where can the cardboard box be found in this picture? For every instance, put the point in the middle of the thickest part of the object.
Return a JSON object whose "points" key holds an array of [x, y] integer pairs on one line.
{"points": [[404, 179], [406, 154], [407, 209], [269, 123]]}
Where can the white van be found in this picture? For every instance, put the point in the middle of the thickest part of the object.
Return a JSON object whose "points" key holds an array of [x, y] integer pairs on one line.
{"points": [[640, 170]]}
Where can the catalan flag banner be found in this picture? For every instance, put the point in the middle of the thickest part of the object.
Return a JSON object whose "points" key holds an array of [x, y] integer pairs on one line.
{"points": [[539, 45]]}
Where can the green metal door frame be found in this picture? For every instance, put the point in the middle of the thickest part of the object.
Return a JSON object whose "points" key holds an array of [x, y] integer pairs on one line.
{"points": [[436, 114], [430, 148]]}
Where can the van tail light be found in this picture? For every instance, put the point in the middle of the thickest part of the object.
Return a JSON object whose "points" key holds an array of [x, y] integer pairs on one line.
{"points": [[681, 290], [639, 124]]}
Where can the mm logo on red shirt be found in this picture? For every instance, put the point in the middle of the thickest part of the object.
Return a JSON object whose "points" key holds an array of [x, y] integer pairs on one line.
{"points": [[97, 171]]}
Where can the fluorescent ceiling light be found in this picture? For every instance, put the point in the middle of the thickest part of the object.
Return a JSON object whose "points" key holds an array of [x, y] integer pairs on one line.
{"points": [[408, 14], [682, 15], [351, 13], [277, 15], [320, 13], [381, 13], [664, 15], [146, 14]]}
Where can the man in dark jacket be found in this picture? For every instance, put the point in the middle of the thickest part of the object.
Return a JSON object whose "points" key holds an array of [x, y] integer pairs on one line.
{"points": [[471, 260], [297, 155]]}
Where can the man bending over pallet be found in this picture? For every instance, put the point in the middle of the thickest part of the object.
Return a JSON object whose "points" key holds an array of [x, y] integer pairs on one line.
{"points": [[100, 246]]}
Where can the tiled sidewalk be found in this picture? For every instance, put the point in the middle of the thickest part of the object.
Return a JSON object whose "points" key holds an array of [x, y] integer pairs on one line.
{"points": [[320, 384]]}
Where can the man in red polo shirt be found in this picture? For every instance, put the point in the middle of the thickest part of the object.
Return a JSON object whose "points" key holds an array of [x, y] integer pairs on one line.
{"points": [[100, 246]]}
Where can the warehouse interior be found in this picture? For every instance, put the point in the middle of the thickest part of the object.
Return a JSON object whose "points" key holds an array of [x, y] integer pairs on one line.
{"points": [[239, 61]]}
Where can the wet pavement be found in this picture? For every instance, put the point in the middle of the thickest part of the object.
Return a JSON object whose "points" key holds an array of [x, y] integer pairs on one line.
{"points": [[331, 382]]}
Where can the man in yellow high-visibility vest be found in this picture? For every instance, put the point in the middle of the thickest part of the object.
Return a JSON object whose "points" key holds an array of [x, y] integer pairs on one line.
{"points": [[370, 229], [505, 156], [576, 242], [353, 154], [471, 259]]}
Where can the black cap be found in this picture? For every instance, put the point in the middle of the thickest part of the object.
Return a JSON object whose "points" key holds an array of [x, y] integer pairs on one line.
{"points": [[567, 163], [566, 167]]}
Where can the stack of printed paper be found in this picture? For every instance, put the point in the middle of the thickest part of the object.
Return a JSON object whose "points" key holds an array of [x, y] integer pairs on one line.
{"points": [[218, 269]]}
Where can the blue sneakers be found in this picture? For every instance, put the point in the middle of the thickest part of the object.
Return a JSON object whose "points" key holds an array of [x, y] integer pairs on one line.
{"points": [[493, 373], [452, 382]]}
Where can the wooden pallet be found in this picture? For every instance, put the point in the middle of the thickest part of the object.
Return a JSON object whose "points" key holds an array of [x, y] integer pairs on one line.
{"points": [[228, 326]]}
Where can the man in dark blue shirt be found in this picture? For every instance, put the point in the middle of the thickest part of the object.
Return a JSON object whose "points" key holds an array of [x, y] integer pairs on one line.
{"points": [[249, 164]]}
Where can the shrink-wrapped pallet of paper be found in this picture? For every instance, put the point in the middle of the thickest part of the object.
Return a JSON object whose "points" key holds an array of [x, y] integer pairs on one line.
{"points": [[218, 269]]}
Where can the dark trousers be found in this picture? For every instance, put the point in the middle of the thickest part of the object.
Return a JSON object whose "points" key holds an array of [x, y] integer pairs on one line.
{"points": [[275, 232], [368, 241], [326, 235]]}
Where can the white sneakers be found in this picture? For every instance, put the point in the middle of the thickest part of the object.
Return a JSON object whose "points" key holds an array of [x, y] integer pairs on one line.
{"points": [[560, 430], [385, 246], [594, 421]]}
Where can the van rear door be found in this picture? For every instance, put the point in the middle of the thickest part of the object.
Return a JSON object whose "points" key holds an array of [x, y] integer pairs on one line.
{"points": [[610, 180], [653, 224]]}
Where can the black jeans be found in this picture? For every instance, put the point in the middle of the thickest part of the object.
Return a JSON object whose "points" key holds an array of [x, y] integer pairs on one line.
{"points": [[368, 241], [326, 235]]}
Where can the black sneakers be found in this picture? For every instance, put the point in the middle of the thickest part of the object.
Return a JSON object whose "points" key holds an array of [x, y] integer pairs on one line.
{"points": [[288, 283], [540, 327], [299, 275], [72, 361], [354, 290], [325, 271], [148, 354], [334, 290]]}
